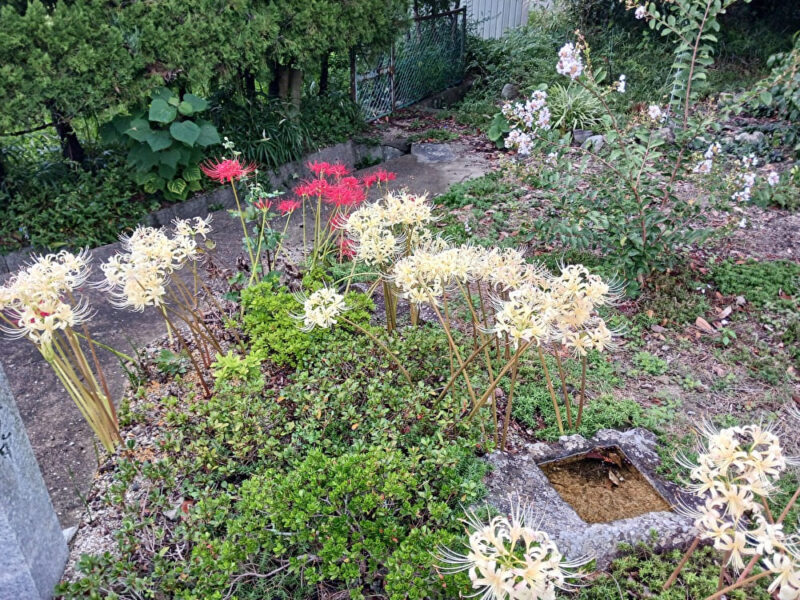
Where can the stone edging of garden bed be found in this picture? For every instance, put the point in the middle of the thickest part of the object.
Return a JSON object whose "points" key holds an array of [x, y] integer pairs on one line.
{"points": [[349, 153]]}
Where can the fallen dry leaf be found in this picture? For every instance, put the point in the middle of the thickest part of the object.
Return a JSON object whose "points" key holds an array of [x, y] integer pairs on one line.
{"points": [[704, 325]]}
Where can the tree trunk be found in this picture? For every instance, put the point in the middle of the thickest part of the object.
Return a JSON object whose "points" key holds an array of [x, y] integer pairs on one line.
{"points": [[272, 89], [249, 81], [70, 144], [295, 86], [283, 82], [324, 74]]}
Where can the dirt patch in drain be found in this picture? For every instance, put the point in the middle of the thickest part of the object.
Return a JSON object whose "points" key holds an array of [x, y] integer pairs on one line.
{"points": [[603, 486]]}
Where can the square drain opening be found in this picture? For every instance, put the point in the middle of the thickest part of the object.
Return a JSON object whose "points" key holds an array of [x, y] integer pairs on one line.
{"points": [[603, 486]]}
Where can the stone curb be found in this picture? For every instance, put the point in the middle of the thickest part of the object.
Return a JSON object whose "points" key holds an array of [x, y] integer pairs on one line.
{"points": [[348, 153]]}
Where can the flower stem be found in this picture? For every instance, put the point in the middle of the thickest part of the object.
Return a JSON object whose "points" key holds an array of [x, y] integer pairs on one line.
{"points": [[739, 584], [497, 379], [563, 378], [244, 226], [583, 391], [684, 559], [507, 418], [551, 390]]}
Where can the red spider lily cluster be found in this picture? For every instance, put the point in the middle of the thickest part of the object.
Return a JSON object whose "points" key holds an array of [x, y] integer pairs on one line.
{"points": [[227, 170], [326, 169], [379, 176], [342, 189]]}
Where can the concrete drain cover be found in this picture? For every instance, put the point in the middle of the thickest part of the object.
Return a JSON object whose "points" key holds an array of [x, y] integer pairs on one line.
{"points": [[593, 494]]}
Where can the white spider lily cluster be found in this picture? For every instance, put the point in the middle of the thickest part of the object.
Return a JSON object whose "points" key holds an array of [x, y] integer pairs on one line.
{"points": [[39, 299], [570, 63], [138, 277], [380, 230], [559, 308], [655, 113], [744, 178], [512, 559], [321, 309], [734, 474], [525, 119], [704, 166]]}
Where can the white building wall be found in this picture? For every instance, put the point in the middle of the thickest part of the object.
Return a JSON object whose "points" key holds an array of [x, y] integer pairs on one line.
{"points": [[493, 17]]}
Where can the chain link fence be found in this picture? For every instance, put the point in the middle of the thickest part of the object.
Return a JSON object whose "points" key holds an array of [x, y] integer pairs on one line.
{"points": [[426, 59]]}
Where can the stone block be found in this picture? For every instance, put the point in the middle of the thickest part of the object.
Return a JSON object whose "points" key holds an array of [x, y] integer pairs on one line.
{"points": [[33, 548]]}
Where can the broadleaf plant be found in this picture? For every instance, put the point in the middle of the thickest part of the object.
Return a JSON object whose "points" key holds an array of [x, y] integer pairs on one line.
{"points": [[166, 141]]}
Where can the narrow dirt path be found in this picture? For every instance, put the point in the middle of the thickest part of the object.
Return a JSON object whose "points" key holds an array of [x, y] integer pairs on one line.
{"points": [[63, 443]]}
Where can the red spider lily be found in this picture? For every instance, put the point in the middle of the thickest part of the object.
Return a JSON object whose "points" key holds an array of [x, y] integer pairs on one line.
{"points": [[321, 169], [369, 180], [351, 181], [313, 188], [286, 207], [344, 195], [318, 168], [226, 170], [262, 204], [346, 248], [384, 176], [338, 170]]}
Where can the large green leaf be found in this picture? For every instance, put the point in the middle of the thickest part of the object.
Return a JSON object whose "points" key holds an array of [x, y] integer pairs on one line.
{"points": [[142, 157], [208, 135], [159, 140], [162, 93], [198, 104], [138, 129], [167, 171], [170, 157], [185, 109], [161, 112], [185, 131]]}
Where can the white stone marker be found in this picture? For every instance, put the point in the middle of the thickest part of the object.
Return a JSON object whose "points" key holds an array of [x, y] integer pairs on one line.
{"points": [[32, 547]]}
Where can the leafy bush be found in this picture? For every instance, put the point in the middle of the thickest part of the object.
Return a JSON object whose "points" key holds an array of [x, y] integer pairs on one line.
{"points": [[348, 513], [58, 204], [165, 144], [275, 333]]}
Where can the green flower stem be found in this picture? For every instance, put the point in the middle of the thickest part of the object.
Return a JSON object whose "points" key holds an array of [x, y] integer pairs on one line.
{"points": [[383, 346], [116, 353], [254, 270], [507, 418], [185, 344], [583, 391], [283, 237], [455, 351], [497, 379], [561, 375], [457, 374], [552, 392], [244, 226]]}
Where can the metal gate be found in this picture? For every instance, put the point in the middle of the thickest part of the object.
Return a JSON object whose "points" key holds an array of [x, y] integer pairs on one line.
{"points": [[426, 59]]}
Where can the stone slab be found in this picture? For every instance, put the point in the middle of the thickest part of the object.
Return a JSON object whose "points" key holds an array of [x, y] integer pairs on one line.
{"points": [[433, 153], [520, 474], [32, 547]]}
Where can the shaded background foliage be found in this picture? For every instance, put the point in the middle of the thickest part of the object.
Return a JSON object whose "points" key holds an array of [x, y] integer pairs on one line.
{"points": [[275, 72]]}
